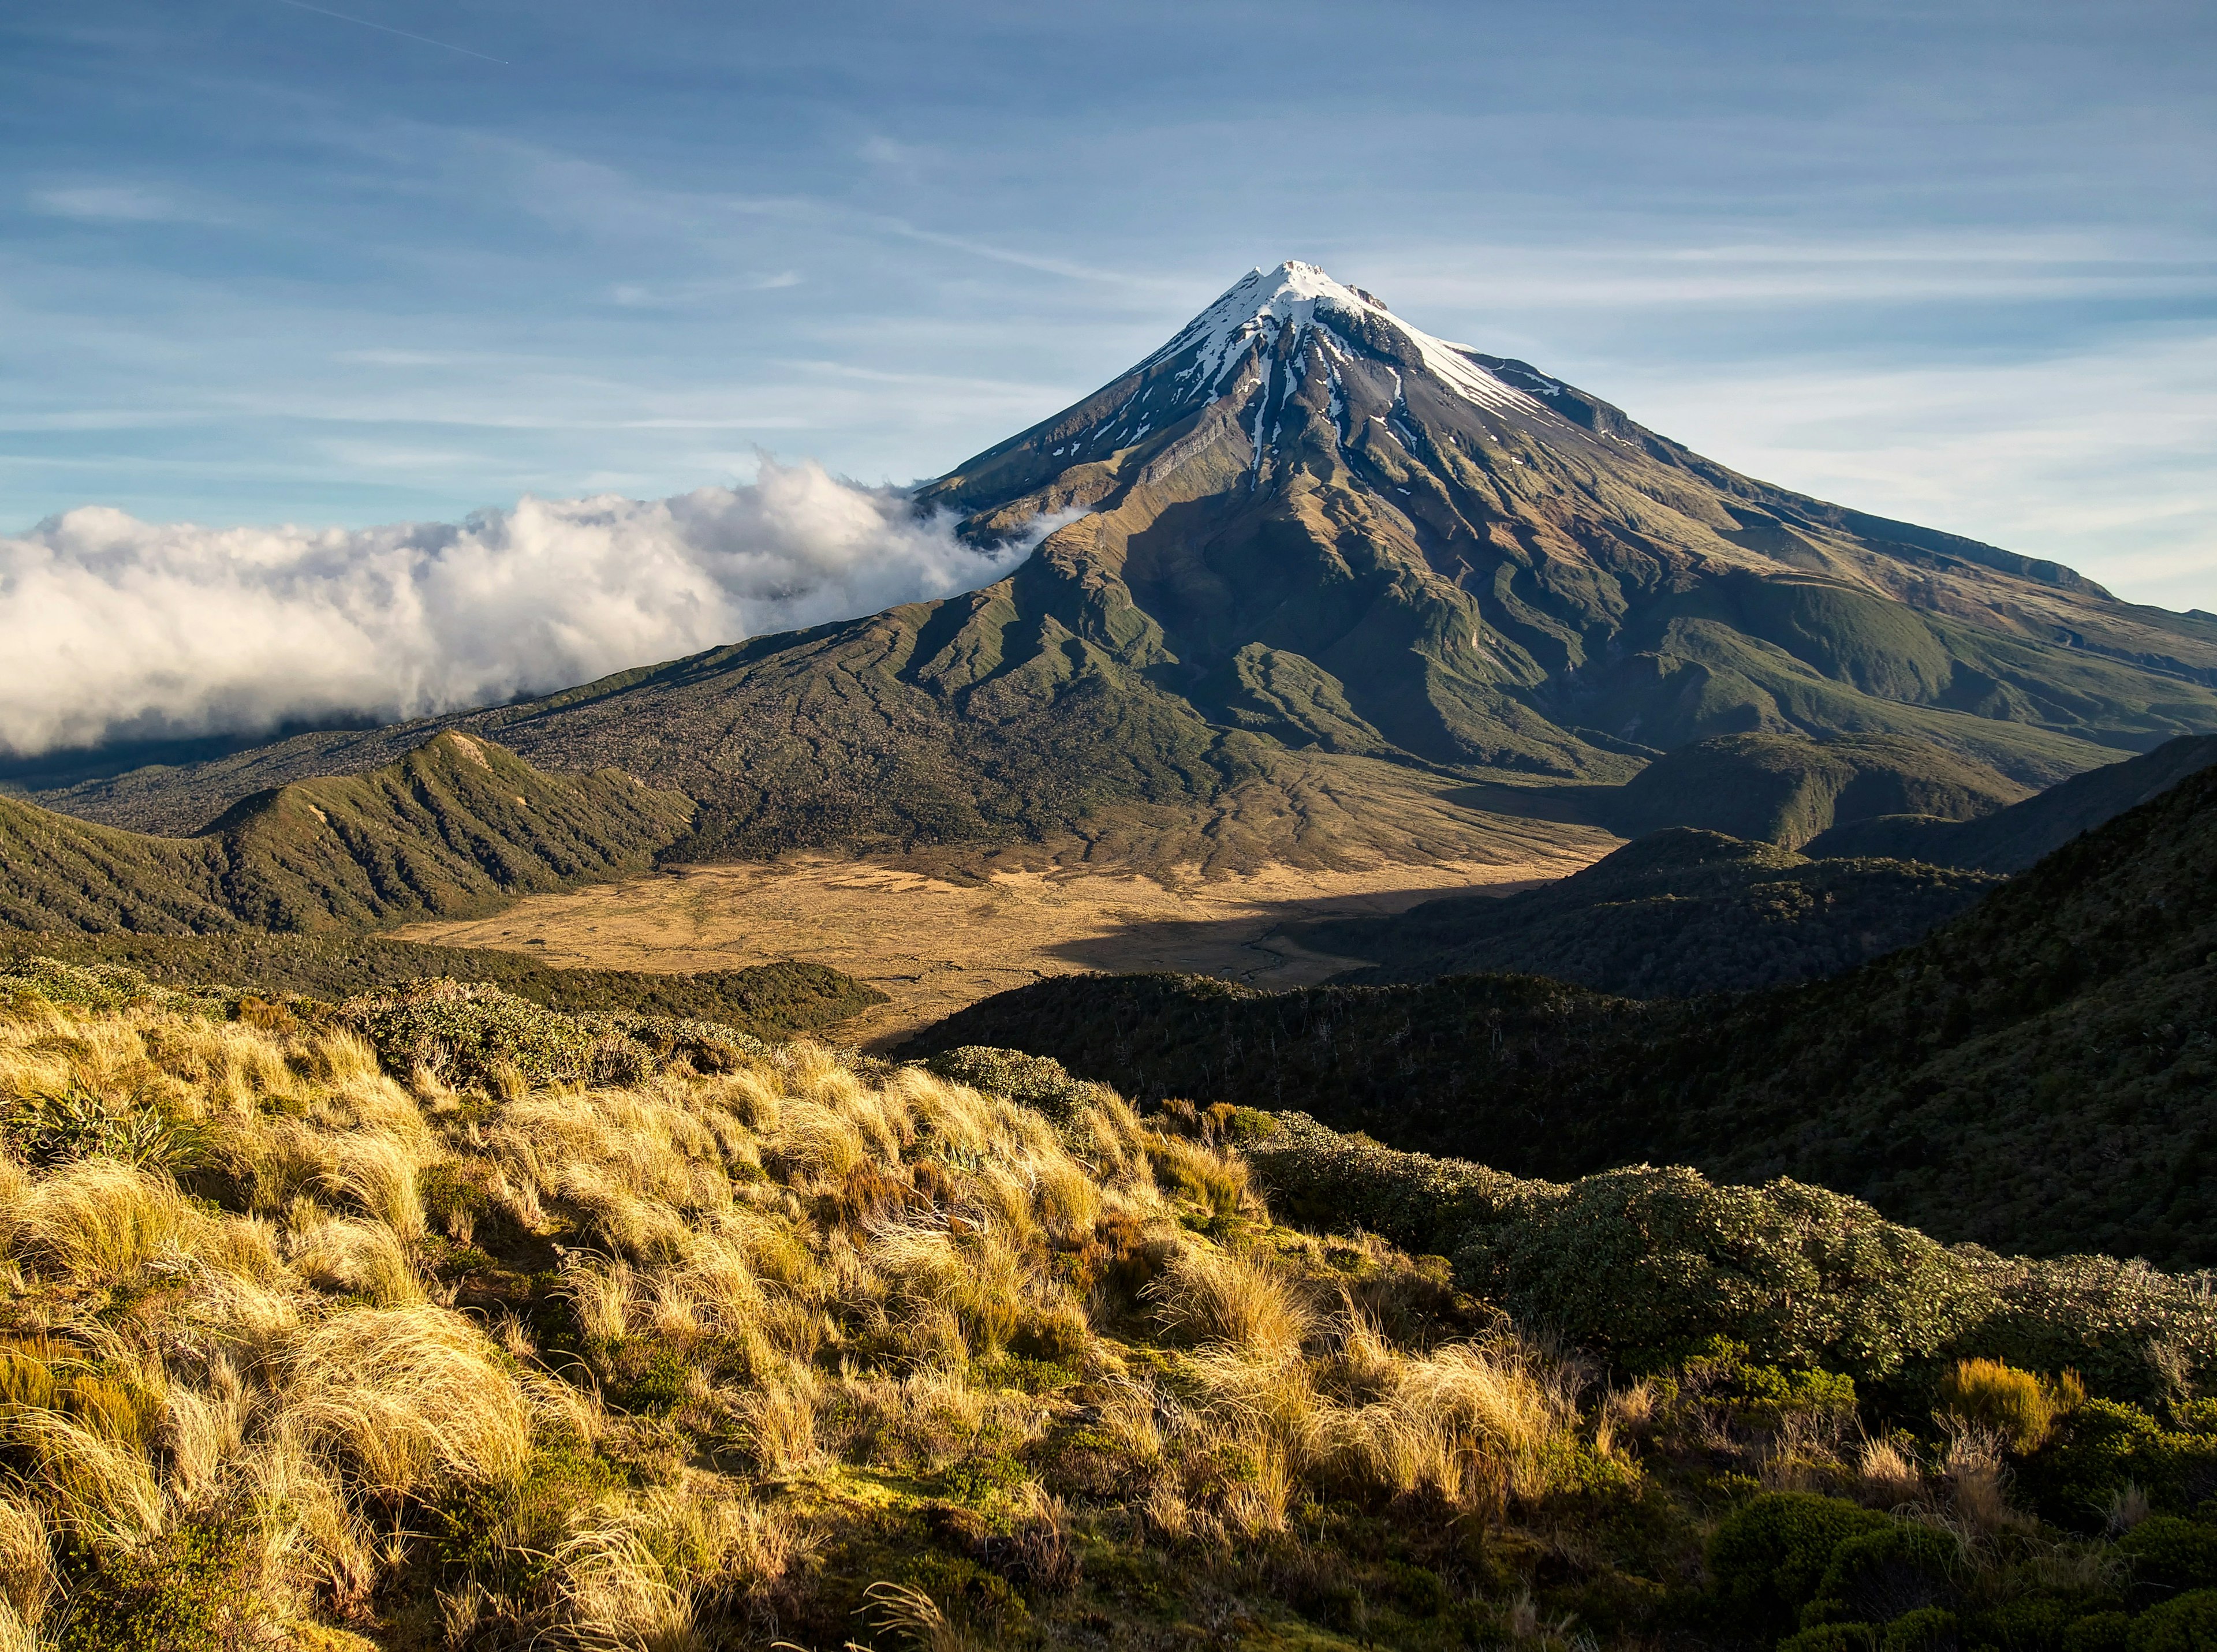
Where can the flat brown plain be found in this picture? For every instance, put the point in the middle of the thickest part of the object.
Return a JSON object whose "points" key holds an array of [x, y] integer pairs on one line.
{"points": [[935, 942]]}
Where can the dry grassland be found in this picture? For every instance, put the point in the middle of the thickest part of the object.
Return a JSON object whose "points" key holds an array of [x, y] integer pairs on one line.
{"points": [[937, 941]]}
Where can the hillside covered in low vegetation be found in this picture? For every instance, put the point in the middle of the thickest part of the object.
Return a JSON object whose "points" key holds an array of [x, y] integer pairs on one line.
{"points": [[455, 826], [1668, 916], [2011, 839], [2035, 1074], [772, 1000], [434, 1318], [1786, 788]]}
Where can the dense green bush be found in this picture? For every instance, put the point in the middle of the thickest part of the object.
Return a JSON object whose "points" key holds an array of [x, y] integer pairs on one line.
{"points": [[1035, 1081], [2172, 1553], [193, 1588], [1886, 1573], [2128, 1329], [2098, 1631], [1928, 1629], [1831, 1637], [2105, 1446], [1767, 1558], [82, 986], [1650, 1265], [1421, 1203], [477, 1035], [2188, 1623]]}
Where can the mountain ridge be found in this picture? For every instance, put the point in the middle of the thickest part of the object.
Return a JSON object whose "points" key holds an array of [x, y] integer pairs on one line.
{"points": [[1311, 553], [456, 824]]}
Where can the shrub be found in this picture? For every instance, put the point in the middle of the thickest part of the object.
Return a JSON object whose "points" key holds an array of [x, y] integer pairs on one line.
{"points": [[2013, 1404], [1650, 1266], [1831, 1637], [2176, 1553], [1765, 1396], [1345, 1183], [2105, 1446], [1039, 1082], [2130, 1332], [2100, 1631], [192, 1587], [2188, 1623], [1767, 1558], [1928, 1629], [465, 1034], [1879, 1576], [82, 986]]}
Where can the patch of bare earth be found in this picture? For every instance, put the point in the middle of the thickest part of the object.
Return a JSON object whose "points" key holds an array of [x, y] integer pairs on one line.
{"points": [[934, 943]]}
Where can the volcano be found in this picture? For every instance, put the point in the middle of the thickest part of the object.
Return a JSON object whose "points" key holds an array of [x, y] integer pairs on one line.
{"points": [[1321, 586]]}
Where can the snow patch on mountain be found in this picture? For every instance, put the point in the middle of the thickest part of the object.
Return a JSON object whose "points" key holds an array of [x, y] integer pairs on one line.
{"points": [[1264, 303]]}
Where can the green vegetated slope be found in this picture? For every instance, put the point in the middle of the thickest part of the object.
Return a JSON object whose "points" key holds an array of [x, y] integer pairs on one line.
{"points": [[1786, 789], [771, 1000], [616, 1331], [1314, 571], [2013, 838], [453, 826], [2036, 1074], [1668, 916]]}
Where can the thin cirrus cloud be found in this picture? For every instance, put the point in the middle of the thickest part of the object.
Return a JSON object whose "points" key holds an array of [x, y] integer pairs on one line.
{"points": [[118, 628]]}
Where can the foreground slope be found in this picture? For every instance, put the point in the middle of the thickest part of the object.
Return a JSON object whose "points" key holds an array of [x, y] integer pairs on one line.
{"points": [[2036, 1074], [451, 827], [596, 1335], [1311, 571]]}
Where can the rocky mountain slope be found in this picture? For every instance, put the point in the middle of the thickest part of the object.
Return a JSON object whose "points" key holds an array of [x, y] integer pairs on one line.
{"points": [[453, 826], [2034, 1074], [1315, 574]]}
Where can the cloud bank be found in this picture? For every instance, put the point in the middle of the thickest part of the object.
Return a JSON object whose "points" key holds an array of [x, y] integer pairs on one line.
{"points": [[114, 628]]}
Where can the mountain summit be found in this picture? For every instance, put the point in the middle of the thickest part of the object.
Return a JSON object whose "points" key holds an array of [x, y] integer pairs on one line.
{"points": [[1313, 573]]}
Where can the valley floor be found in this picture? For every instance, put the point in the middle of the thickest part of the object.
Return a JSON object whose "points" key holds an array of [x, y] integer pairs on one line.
{"points": [[936, 943]]}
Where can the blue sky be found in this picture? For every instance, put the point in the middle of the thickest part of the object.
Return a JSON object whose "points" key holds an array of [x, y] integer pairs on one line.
{"points": [[261, 263]]}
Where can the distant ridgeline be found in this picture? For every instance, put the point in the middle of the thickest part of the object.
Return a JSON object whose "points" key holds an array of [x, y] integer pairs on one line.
{"points": [[2035, 1075], [1683, 910], [454, 826]]}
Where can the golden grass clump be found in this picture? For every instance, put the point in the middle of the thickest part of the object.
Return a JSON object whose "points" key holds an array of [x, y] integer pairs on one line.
{"points": [[1242, 1303], [2017, 1406]]}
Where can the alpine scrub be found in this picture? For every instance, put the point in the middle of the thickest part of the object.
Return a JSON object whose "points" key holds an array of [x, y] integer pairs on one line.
{"points": [[429, 1323]]}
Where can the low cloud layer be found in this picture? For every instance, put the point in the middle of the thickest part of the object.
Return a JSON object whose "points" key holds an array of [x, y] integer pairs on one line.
{"points": [[115, 628]]}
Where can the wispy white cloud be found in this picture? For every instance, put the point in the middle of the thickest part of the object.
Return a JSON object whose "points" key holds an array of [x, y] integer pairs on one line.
{"points": [[119, 203], [113, 625], [1616, 279]]}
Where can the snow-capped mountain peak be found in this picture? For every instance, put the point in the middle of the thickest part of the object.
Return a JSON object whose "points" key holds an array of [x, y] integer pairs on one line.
{"points": [[1302, 299]]}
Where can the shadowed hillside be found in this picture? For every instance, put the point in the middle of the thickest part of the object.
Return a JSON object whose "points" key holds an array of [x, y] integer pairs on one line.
{"points": [[1668, 916], [2015, 837], [2036, 1074], [451, 827]]}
